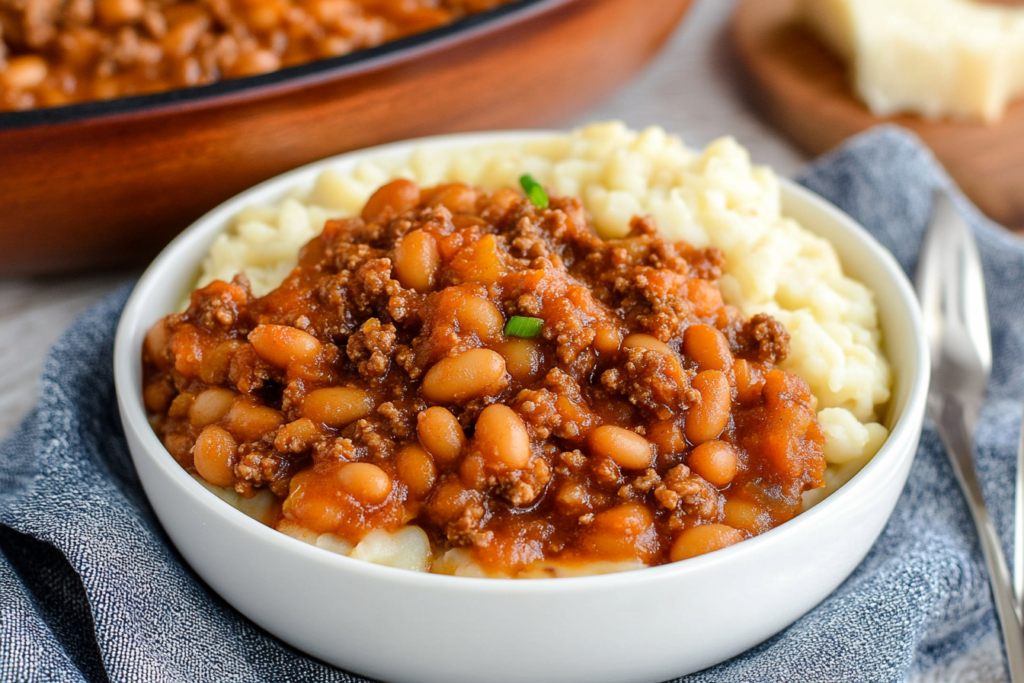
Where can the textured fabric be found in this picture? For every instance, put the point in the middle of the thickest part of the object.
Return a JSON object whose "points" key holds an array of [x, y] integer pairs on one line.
{"points": [[91, 590]]}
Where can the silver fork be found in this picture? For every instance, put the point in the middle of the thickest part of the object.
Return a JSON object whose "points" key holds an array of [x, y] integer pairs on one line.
{"points": [[1018, 530], [951, 288]]}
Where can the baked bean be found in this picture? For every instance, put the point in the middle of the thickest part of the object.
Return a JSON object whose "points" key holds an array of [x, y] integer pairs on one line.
{"points": [[297, 436], [708, 418], [628, 449], [392, 199], [440, 434], [249, 421], [215, 365], [606, 339], [573, 498], [337, 406], [155, 344], [479, 316], [715, 461], [707, 347], [255, 62], [180, 447], [749, 381], [213, 455], [281, 345], [667, 436], [416, 468], [157, 396], [501, 437], [24, 72], [180, 405], [626, 531], [455, 197], [365, 482], [472, 374], [646, 341], [746, 515], [118, 12], [524, 358], [417, 260], [210, 405], [703, 539]]}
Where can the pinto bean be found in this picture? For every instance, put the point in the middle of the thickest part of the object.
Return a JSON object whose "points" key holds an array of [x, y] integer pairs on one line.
{"points": [[213, 454], [703, 539], [709, 418], [479, 316], [416, 468], [337, 406], [606, 339], [623, 532], [645, 341], [707, 347], [365, 481], [24, 72], [501, 437], [628, 449], [715, 461], [210, 406], [282, 346], [440, 434], [471, 374], [416, 261], [249, 421], [391, 199], [524, 358]]}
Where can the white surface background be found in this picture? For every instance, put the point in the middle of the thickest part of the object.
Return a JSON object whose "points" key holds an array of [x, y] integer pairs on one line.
{"points": [[692, 89]]}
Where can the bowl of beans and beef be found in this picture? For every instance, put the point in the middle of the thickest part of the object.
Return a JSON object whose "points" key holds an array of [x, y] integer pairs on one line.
{"points": [[406, 376]]}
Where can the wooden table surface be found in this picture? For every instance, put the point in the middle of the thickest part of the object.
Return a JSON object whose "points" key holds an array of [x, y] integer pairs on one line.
{"points": [[692, 89]]}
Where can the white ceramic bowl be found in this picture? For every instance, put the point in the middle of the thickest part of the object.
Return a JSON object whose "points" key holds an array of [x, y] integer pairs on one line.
{"points": [[646, 625]]}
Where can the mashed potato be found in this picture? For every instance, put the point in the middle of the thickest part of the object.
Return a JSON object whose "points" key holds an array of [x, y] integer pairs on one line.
{"points": [[711, 198]]}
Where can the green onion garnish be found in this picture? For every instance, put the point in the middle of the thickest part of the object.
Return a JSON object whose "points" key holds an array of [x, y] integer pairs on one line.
{"points": [[534, 191], [521, 326]]}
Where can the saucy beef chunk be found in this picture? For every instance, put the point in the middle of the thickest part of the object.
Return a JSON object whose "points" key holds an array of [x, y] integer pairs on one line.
{"points": [[377, 387]]}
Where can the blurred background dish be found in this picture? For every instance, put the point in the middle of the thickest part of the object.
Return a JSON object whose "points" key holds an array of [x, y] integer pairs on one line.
{"points": [[107, 183], [802, 87], [54, 54]]}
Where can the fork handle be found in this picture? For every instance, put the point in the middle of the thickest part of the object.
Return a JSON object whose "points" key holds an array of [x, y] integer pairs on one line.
{"points": [[955, 421]]}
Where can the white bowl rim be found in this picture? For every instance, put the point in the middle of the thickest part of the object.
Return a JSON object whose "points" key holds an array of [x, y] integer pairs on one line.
{"points": [[125, 355]]}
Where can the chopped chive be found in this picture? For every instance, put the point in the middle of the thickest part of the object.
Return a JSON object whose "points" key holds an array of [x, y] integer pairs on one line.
{"points": [[521, 326], [534, 191]]}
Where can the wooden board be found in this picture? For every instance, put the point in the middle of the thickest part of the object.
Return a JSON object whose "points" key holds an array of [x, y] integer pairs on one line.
{"points": [[804, 90]]}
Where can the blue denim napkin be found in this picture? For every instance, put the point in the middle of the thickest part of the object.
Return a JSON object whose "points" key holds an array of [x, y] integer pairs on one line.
{"points": [[91, 589]]}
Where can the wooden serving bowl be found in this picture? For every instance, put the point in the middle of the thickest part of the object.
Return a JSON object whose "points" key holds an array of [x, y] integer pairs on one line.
{"points": [[108, 183]]}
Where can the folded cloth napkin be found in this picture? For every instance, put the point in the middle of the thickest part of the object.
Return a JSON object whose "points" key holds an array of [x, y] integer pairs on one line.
{"points": [[91, 589]]}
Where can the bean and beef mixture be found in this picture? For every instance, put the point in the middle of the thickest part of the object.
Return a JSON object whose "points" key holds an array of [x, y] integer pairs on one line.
{"points": [[491, 370], [55, 52]]}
